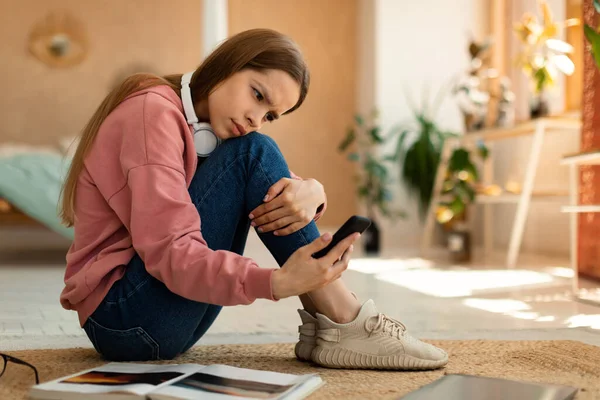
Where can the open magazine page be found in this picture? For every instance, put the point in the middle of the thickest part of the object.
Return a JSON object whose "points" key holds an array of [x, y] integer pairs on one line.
{"points": [[220, 382], [117, 377]]}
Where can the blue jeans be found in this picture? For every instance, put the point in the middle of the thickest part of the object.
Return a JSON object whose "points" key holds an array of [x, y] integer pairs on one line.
{"points": [[140, 319]]}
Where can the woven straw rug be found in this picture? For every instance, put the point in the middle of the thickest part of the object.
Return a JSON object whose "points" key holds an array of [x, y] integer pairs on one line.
{"points": [[559, 362]]}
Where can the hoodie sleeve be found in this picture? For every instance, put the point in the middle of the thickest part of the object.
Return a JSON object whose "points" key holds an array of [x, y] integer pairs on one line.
{"points": [[165, 224]]}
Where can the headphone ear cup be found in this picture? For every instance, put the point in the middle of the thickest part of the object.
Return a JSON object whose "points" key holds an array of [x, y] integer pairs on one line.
{"points": [[205, 139]]}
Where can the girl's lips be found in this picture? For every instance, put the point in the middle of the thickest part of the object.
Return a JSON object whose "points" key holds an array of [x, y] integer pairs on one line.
{"points": [[238, 128]]}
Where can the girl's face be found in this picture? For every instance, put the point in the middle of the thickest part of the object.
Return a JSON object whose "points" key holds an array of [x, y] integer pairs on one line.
{"points": [[248, 99]]}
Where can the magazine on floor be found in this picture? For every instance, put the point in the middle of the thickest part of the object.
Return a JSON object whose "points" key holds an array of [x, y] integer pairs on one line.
{"points": [[121, 381]]}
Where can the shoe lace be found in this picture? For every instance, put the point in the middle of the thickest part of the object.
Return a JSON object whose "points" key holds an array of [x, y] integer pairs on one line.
{"points": [[386, 324]]}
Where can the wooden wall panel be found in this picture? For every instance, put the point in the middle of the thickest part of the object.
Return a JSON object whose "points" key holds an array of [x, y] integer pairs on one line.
{"points": [[589, 183], [40, 105], [326, 33]]}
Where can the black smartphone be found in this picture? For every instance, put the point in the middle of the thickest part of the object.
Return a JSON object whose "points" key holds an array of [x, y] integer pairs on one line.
{"points": [[354, 224]]}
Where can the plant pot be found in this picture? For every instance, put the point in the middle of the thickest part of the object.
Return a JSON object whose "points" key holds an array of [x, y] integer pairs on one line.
{"points": [[539, 106], [458, 239], [371, 239], [459, 245]]}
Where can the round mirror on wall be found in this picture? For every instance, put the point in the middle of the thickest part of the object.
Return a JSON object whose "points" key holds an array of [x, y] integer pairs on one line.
{"points": [[58, 40]]}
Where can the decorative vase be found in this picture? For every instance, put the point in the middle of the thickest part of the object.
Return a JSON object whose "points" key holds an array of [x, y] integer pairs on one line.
{"points": [[371, 239], [539, 107]]}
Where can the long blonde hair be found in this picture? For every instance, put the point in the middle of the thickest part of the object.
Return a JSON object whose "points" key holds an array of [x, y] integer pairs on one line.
{"points": [[258, 49]]}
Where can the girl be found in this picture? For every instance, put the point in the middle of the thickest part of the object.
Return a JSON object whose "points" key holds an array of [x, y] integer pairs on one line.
{"points": [[161, 203]]}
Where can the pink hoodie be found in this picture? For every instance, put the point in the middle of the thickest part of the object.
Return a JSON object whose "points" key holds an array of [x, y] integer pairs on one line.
{"points": [[132, 195]]}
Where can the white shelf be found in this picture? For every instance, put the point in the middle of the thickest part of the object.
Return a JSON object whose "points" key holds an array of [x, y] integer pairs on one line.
{"points": [[581, 209], [510, 198], [525, 128], [586, 158], [536, 129]]}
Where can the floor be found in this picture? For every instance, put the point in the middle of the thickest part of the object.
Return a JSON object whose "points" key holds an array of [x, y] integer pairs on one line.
{"points": [[435, 300]]}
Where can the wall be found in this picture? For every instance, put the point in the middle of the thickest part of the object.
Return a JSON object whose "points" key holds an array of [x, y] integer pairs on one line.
{"points": [[41, 105], [415, 48], [326, 33]]}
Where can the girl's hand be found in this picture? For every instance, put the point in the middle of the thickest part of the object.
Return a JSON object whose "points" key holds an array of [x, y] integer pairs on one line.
{"points": [[302, 273], [290, 205]]}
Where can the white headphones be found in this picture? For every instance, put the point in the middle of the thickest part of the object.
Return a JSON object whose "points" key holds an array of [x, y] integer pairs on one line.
{"points": [[205, 139]]}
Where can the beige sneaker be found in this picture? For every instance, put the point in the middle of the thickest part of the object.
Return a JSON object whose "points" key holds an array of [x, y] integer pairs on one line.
{"points": [[373, 341], [308, 333], [307, 340]]}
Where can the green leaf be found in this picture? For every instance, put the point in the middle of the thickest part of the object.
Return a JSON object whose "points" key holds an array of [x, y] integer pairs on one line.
{"points": [[542, 78], [446, 135], [594, 38], [393, 132], [348, 140], [363, 191], [359, 120], [465, 192], [597, 5], [375, 168], [353, 157], [400, 145], [589, 32], [448, 186], [459, 160], [457, 206], [483, 150], [420, 165], [374, 133], [471, 169]]}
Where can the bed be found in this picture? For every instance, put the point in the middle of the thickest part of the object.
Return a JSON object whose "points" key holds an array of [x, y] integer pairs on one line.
{"points": [[30, 184]]}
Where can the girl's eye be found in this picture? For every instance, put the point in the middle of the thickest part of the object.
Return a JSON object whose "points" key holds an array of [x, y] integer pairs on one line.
{"points": [[258, 95], [270, 117]]}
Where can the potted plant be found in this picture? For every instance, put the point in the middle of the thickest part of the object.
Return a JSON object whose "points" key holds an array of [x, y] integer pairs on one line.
{"points": [[418, 152], [373, 180], [458, 192], [543, 54]]}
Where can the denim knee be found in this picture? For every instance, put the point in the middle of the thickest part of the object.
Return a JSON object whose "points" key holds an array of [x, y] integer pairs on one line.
{"points": [[259, 151], [254, 142]]}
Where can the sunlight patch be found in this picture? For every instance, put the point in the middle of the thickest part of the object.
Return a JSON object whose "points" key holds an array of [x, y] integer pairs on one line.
{"points": [[561, 272], [524, 315], [497, 305], [546, 318], [512, 308], [584, 321], [441, 283], [378, 265]]}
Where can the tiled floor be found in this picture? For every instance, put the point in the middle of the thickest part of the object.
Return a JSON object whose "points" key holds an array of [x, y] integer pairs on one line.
{"points": [[435, 300]]}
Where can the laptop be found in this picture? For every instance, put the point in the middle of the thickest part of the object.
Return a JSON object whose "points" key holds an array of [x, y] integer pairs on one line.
{"points": [[469, 387]]}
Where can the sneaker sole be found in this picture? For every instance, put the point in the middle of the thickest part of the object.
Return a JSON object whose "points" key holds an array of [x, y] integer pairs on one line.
{"points": [[348, 359], [304, 351]]}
